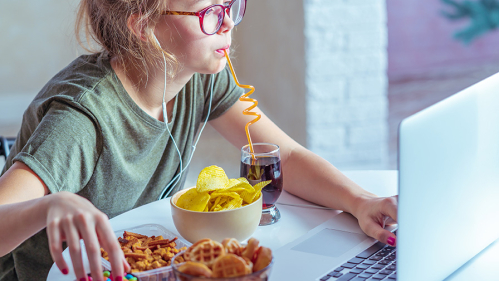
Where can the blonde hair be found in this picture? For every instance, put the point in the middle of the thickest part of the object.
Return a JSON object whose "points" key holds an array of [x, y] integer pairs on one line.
{"points": [[106, 23]]}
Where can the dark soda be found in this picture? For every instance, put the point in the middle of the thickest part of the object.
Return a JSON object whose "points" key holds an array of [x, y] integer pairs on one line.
{"points": [[263, 169]]}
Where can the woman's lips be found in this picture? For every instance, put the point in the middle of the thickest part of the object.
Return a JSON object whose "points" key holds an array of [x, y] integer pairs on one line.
{"points": [[221, 51]]}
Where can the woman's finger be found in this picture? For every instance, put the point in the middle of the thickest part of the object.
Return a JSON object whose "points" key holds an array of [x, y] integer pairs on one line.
{"points": [[88, 233], [375, 230], [110, 244], [55, 246], [73, 241], [389, 207], [126, 265]]}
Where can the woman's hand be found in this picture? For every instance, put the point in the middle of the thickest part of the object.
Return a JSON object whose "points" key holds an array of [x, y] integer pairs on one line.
{"points": [[70, 218], [373, 213]]}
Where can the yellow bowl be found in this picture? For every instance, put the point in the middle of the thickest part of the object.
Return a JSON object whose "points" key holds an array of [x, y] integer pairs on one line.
{"points": [[239, 223]]}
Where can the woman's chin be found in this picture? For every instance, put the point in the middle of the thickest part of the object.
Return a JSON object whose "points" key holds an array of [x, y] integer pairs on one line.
{"points": [[215, 69]]}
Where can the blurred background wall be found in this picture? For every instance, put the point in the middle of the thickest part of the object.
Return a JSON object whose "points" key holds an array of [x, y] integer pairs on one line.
{"points": [[36, 42], [427, 63]]}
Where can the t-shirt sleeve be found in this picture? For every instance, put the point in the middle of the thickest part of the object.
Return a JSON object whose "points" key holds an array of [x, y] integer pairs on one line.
{"points": [[225, 94], [63, 150]]}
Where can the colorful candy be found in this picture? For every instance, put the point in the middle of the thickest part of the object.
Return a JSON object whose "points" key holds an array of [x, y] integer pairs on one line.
{"points": [[108, 276]]}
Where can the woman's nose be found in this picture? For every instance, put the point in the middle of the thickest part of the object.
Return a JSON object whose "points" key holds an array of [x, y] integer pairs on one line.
{"points": [[227, 24]]}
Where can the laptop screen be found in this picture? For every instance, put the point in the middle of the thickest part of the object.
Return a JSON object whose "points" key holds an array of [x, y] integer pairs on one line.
{"points": [[448, 183]]}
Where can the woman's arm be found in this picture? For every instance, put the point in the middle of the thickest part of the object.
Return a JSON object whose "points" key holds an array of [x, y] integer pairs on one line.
{"points": [[22, 208], [309, 176], [68, 217], [21, 221]]}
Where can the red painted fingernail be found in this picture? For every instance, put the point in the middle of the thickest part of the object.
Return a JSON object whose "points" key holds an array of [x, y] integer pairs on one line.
{"points": [[118, 278], [391, 241], [83, 279], [65, 271]]}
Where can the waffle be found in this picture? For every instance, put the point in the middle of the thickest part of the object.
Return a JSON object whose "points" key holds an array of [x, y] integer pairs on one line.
{"points": [[232, 246], [206, 252], [248, 263], [195, 268], [263, 258], [250, 249], [230, 265], [188, 251], [226, 259]]}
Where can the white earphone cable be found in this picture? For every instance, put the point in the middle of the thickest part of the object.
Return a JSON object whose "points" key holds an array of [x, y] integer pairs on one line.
{"points": [[176, 179]]}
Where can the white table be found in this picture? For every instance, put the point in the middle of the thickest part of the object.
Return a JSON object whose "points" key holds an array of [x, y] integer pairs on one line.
{"points": [[295, 221]]}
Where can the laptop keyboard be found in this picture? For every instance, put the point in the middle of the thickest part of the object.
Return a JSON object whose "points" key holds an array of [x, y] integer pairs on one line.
{"points": [[375, 263]]}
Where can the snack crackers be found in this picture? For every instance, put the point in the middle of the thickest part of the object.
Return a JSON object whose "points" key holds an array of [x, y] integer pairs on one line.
{"points": [[145, 253]]}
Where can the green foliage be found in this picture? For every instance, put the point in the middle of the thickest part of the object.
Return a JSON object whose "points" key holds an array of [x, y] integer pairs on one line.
{"points": [[483, 15]]}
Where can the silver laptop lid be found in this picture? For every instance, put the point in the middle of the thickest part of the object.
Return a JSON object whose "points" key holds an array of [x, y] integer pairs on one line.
{"points": [[448, 183]]}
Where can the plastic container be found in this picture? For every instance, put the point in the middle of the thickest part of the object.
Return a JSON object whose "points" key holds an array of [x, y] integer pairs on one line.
{"points": [[158, 274], [261, 275]]}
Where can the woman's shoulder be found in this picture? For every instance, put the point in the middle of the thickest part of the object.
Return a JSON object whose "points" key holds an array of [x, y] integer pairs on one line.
{"points": [[88, 73], [85, 72], [83, 82]]}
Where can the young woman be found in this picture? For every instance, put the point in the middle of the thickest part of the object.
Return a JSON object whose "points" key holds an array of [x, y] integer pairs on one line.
{"points": [[105, 135]]}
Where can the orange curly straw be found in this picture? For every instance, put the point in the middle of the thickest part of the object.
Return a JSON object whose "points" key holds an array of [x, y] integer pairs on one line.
{"points": [[245, 97]]}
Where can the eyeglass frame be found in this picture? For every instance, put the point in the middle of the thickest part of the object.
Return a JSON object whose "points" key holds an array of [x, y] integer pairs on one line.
{"points": [[200, 14]]}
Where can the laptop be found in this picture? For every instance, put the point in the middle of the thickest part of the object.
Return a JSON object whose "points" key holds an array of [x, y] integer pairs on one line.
{"points": [[448, 201]]}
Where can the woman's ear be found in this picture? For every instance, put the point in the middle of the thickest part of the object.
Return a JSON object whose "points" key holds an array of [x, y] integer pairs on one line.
{"points": [[138, 27]]}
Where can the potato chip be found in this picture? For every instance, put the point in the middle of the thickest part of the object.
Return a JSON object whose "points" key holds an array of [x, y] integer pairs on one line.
{"points": [[258, 189], [214, 202], [247, 196], [193, 200], [216, 192], [234, 195], [233, 204], [211, 178], [219, 202], [239, 185], [259, 186], [218, 208], [232, 183], [250, 197], [225, 201]]}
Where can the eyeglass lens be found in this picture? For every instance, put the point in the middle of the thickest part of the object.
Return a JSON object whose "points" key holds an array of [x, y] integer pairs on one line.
{"points": [[237, 11], [213, 17]]}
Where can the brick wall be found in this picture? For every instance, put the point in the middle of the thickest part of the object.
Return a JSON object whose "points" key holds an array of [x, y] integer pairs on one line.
{"points": [[346, 82]]}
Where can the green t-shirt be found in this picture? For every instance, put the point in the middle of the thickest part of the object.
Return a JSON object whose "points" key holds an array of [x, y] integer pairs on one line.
{"points": [[84, 134]]}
